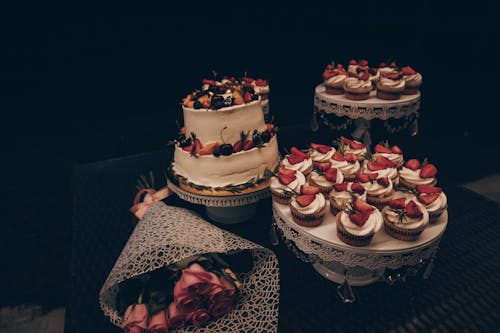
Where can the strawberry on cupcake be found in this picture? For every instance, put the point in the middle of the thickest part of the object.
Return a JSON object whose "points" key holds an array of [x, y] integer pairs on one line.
{"points": [[394, 153], [334, 78], [343, 194], [325, 179], [353, 65], [298, 160], [347, 164], [433, 199], [414, 173], [405, 219], [379, 190], [320, 153], [354, 147], [383, 166], [357, 225], [413, 80], [385, 68], [358, 88], [285, 184], [308, 209], [390, 86]]}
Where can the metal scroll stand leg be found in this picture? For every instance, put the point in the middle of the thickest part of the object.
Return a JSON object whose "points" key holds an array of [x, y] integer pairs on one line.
{"points": [[344, 290], [362, 132]]}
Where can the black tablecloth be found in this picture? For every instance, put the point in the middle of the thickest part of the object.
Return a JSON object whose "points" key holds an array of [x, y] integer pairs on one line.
{"points": [[462, 293]]}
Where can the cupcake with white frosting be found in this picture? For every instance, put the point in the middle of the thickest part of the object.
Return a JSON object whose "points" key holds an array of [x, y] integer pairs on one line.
{"points": [[390, 86], [433, 199], [285, 184], [394, 153], [348, 146], [308, 210], [334, 79], [321, 153], [343, 194], [379, 191], [405, 219], [353, 65], [298, 160], [413, 80], [414, 173], [348, 164], [358, 88], [325, 180], [383, 166], [357, 225]]}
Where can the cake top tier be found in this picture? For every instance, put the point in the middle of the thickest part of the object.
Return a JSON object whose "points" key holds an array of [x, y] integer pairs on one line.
{"points": [[215, 95]]}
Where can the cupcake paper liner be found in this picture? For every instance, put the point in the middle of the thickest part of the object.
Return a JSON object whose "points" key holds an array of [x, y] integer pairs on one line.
{"points": [[349, 238], [280, 198], [308, 220]]}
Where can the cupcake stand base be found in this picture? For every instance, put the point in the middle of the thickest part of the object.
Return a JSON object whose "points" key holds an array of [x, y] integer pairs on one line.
{"points": [[385, 259], [228, 209]]}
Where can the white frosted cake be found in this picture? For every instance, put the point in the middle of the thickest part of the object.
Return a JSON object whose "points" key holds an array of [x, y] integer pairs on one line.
{"points": [[225, 146]]}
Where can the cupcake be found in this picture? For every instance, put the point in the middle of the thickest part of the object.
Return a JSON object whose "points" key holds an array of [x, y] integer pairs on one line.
{"points": [[414, 173], [334, 79], [285, 184], [433, 199], [261, 88], [379, 191], [405, 219], [343, 194], [383, 166], [394, 153], [354, 147], [358, 225], [357, 88], [413, 80], [374, 77], [325, 180], [320, 153], [348, 164], [308, 210], [390, 86], [298, 160]]}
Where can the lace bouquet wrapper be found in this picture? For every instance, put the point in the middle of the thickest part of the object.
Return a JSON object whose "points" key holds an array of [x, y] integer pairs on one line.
{"points": [[168, 235]]}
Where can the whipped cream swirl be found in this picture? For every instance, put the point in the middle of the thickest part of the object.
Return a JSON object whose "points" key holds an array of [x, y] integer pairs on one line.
{"points": [[276, 185], [386, 82], [320, 157], [407, 222], [371, 226], [318, 204], [396, 158], [359, 153], [347, 169], [414, 79], [342, 198], [301, 166], [352, 82], [437, 205], [391, 173], [413, 177], [322, 181], [374, 189], [336, 80]]}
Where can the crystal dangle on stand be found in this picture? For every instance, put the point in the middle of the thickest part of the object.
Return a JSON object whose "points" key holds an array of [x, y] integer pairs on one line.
{"points": [[344, 291], [273, 236], [428, 269], [314, 122]]}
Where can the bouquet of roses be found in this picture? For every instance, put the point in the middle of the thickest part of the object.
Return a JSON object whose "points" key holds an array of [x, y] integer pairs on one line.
{"points": [[179, 272]]}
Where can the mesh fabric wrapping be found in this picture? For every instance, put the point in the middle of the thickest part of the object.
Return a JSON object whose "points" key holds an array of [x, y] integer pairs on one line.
{"points": [[166, 235]]}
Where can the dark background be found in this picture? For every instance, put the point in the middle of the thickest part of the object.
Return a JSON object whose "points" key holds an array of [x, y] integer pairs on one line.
{"points": [[77, 88]]}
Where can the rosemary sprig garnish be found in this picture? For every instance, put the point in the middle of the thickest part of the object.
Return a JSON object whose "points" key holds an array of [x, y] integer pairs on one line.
{"points": [[403, 188]]}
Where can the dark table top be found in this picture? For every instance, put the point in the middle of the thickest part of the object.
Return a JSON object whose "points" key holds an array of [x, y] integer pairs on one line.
{"points": [[462, 294]]}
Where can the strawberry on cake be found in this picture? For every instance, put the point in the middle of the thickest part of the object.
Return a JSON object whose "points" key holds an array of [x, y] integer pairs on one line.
{"points": [[394, 153], [285, 184], [308, 210], [325, 179], [348, 164], [379, 191], [298, 160], [357, 225], [413, 80], [343, 194], [405, 219], [383, 166], [414, 173], [354, 147], [433, 199]]}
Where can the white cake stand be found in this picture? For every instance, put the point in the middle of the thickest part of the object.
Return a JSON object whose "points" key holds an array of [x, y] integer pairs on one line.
{"points": [[362, 112], [225, 209], [360, 266]]}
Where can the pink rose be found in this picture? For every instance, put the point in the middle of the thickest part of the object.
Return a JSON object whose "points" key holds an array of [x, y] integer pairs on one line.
{"points": [[225, 289], [221, 305], [176, 319], [195, 279], [187, 302], [158, 322], [135, 319], [199, 317]]}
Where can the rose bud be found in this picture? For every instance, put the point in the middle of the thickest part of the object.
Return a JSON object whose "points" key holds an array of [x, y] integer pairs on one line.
{"points": [[176, 319], [135, 319], [158, 322]]}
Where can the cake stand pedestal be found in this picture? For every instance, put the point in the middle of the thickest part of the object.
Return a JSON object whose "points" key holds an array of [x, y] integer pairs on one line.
{"points": [[338, 113], [225, 209], [358, 266]]}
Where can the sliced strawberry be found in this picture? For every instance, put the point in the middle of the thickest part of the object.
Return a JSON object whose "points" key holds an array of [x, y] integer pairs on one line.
{"points": [[285, 171], [382, 65], [372, 176], [428, 171], [247, 97], [209, 82], [260, 83], [428, 189], [337, 156], [359, 218], [363, 62], [329, 74], [383, 181], [322, 166], [321, 148], [397, 203], [248, 79], [238, 146], [294, 159], [356, 145], [427, 199], [375, 166], [340, 187], [382, 149], [407, 70], [197, 146], [393, 64], [331, 174], [209, 148], [355, 187], [329, 67], [393, 76], [340, 66], [346, 140], [396, 150], [353, 62], [413, 210], [248, 145], [364, 77], [351, 158], [362, 206], [308, 189], [413, 164], [305, 200], [298, 152], [363, 177], [286, 179], [188, 148], [385, 161]]}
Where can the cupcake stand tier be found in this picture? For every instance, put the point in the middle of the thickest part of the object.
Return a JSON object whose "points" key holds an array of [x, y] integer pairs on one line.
{"points": [[358, 266], [362, 112], [225, 209]]}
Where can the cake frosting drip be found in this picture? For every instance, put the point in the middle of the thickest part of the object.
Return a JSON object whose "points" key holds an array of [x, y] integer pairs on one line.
{"points": [[352, 82], [371, 226], [276, 185], [408, 222], [413, 177], [396, 158], [344, 197], [301, 166], [317, 156], [414, 79], [237, 168], [322, 181], [315, 206], [386, 82], [345, 167], [377, 190]]}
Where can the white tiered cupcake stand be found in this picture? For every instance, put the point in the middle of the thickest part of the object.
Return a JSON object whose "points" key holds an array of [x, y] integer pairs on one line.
{"points": [[225, 209], [357, 266], [362, 112]]}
